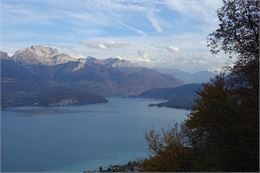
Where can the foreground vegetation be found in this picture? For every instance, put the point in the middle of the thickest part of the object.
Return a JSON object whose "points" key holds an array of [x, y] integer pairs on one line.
{"points": [[222, 130]]}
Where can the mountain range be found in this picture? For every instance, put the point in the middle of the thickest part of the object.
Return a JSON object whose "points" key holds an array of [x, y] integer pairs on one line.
{"points": [[31, 76], [187, 77]]}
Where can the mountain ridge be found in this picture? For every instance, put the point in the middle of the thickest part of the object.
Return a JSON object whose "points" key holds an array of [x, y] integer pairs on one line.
{"points": [[29, 76], [178, 97], [187, 77], [40, 55]]}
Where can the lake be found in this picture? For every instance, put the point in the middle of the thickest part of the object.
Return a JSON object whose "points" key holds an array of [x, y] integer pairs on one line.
{"points": [[77, 138]]}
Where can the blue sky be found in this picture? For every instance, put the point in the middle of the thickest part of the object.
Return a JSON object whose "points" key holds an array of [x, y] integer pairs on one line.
{"points": [[153, 33]]}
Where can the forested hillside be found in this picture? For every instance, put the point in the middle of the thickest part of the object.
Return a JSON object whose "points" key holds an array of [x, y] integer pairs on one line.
{"points": [[222, 131]]}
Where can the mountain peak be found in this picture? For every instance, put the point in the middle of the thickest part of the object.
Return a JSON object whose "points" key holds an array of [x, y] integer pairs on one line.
{"points": [[40, 55], [4, 55], [112, 62], [116, 62], [44, 51]]}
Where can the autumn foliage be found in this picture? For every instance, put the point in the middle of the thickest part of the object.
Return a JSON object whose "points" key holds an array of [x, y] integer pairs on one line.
{"points": [[222, 130]]}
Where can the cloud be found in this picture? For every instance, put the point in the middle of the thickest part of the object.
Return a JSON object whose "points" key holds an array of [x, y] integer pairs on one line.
{"points": [[173, 49], [96, 45], [106, 44], [202, 12], [159, 32], [142, 60], [130, 27], [195, 9], [154, 21], [144, 54]]}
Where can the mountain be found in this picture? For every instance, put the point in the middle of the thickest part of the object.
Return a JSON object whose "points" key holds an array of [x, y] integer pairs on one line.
{"points": [[22, 87], [36, 70], [40, 55], [4, 55], [179, 97], [110, 62], [197, 77]]}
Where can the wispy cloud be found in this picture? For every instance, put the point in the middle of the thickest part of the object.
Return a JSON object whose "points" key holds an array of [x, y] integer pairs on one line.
{"points": [[154, 21], [199, 10], [173, 48], [144, 54], [166, 33], [130, 27], [105, 45]]}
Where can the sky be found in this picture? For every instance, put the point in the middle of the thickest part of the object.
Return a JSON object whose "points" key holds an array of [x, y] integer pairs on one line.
{"points": [[151, 33]]}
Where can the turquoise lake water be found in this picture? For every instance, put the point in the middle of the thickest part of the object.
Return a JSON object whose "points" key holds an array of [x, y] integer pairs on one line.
{"points": [[77, 138]]}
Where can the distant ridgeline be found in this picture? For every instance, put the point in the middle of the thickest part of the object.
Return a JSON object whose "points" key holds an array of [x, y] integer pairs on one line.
{"points": [[40, 76], [179, 97], [196, 77]]}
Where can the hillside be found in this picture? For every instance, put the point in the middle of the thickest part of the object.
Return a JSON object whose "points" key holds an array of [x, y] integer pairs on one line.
{"points": [[179, 97], [39, 69], [50, 97]]}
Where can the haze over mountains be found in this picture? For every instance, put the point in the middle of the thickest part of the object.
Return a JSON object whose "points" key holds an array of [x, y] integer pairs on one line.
{"points": [[187, 77], [36, 70]]}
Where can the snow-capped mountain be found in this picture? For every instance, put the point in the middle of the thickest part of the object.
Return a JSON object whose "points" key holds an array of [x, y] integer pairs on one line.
{"points": [[4, 55], [40, 55], [49, 56], [35, 70], [111, 62]]}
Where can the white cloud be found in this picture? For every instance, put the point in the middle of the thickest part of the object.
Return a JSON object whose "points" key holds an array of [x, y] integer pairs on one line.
{"points": [[173, 49], [136, 30], [142, 60], [154, 21], [204, 9], [197, 11], [105, 45], [130, 27], [143, 53], [156, 51]]}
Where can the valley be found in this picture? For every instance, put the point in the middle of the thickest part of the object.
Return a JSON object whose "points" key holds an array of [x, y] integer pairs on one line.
{"points": [[40, 76]]}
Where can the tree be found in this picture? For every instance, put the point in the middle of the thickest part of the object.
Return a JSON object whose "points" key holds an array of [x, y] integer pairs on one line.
{"points": [[226, 117], [222, 136], [222, 131], [238, 31], [238, 36], [169, 151]]}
